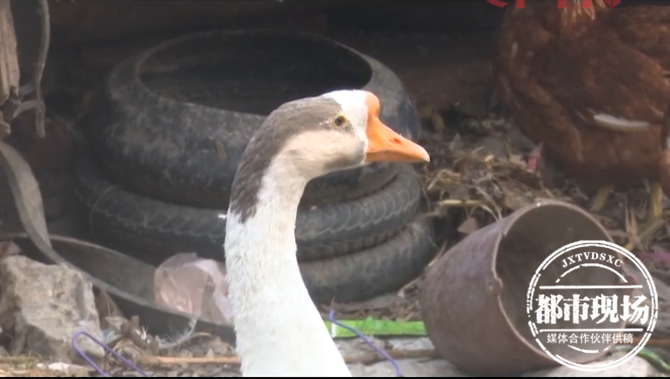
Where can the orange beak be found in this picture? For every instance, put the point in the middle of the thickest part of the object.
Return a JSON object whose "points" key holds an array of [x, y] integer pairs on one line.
{"points": [[385, 145]]}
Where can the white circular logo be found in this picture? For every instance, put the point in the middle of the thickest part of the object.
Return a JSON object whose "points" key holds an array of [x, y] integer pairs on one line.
{"points": [[580, 304]]}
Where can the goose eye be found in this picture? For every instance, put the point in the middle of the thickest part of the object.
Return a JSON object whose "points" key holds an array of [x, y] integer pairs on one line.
{"points": [[340, 120]]}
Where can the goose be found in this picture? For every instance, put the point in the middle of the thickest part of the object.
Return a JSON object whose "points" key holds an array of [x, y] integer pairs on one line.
{"points": [[278, 328]]}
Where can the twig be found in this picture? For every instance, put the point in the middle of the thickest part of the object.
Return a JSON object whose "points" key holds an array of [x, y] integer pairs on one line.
{"points": [[460, 203], [635, 236], [366, 358], [653, 342], [154, 360], [18, 360]]}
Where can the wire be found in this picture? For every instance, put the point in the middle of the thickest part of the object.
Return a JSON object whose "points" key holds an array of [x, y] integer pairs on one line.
{"points": [[367, 340], [106, 348]]}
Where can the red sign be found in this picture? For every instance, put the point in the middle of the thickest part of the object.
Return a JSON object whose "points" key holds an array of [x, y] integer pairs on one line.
{"points": [[561, 3]]}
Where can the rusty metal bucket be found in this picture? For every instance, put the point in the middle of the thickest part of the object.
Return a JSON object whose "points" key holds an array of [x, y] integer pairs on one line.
{"points": [[473, 300]]}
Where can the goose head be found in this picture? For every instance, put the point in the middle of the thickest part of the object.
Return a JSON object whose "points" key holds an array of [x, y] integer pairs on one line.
{"points": [[336, 131], [311, 137], [348, 133]]}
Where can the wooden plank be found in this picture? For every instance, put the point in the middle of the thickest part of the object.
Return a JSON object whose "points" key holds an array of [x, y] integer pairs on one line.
{"points": [[9, 62]]}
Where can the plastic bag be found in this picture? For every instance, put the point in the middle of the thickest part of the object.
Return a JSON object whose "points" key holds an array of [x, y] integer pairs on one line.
{"points": [[194, 285]]}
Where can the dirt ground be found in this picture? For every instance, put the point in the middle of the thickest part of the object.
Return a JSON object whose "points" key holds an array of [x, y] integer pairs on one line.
{"points": [[478, 173]]}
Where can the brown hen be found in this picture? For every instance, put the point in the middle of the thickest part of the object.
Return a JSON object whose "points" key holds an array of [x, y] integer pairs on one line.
{"points": [[592, 86]]}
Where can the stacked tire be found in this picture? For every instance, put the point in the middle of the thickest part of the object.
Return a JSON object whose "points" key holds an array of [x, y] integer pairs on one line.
{"points": [[171, 124]]}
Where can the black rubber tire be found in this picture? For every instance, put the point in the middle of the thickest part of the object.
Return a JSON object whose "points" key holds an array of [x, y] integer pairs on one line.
{"points": [[186, 153], [156, 230], [365, 274]]}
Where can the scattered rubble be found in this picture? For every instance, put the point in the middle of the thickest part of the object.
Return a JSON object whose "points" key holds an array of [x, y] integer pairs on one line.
{"points": [[43, 306]]}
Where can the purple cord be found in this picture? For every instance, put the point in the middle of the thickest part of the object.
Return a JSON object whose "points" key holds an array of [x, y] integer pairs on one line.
{"points": [[398, 372], [108, 349]]}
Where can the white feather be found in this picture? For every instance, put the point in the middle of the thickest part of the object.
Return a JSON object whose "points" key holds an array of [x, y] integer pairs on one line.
{"points": [[279, 330], [620, 124]]}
